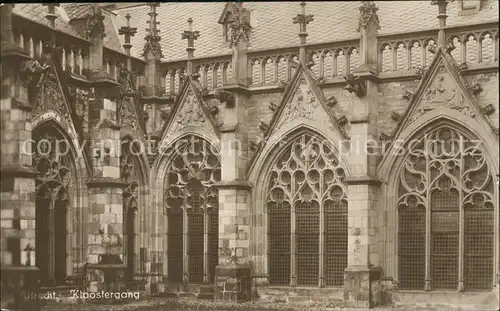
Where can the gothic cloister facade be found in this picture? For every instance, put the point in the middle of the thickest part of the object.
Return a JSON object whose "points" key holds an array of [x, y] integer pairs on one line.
{"points": [[358, 161]]}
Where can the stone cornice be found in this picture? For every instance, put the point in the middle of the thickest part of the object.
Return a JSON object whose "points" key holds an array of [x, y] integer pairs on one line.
{"points": [[235, 184], [106, 182], [107, 123], [236, 88], [19, 171], [363, 180], [21, 104]]}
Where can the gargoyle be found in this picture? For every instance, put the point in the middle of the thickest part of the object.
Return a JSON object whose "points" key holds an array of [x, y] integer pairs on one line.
{"points": [[450, 46], [355, 85], [225, 97]]}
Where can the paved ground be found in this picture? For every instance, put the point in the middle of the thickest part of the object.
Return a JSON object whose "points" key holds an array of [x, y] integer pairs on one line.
{"points": [[163, 304]]}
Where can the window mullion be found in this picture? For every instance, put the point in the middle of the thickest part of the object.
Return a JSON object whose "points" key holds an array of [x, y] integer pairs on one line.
{"points": [[52, 243], [185, 245], [427, 285], [293, 248], [205, 247], [321, 274], [461, 228]]}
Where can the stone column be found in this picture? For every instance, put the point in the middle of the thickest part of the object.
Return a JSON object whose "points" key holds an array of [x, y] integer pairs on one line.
{"points": [[105, 266], [17, 187], [232, 275], [363, 274]]}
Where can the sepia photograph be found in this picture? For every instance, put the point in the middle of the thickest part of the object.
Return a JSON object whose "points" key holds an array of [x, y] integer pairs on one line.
{"points": [[250, 156]]}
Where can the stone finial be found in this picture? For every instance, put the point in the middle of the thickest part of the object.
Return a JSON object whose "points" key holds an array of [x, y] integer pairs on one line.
{"points": [[442, 20], [190, 35], [302, 19], [368, 15], [51, 15], [95, 22], [153, 38], [236, 18], [128, 32]]}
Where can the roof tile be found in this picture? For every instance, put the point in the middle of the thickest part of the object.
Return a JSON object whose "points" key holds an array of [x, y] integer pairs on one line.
{"points": [[36, 12]]}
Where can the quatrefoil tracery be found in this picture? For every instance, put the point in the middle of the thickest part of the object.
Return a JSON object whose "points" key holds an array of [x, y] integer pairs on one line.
{"points": [[308, 172], [445, 161], [129, 175], [191, 177], [54, 175]]}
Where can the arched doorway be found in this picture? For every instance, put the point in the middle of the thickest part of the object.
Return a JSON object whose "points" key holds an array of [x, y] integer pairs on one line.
{"points": [[306, 206], [53, 161], [191, 201], [446, 208]]}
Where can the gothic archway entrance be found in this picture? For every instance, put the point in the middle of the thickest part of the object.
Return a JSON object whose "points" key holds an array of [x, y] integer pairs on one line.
{"points": [[53, 186]]}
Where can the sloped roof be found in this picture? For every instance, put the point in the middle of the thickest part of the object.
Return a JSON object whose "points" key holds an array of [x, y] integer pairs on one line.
{"points": [[36, 12], [77, 14], [273, 28], [271, 22]]}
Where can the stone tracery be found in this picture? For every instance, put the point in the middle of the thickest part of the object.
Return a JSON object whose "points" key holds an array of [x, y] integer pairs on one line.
{"points": [[306, 188], [447, 176], [190, 192], [53, 200]]}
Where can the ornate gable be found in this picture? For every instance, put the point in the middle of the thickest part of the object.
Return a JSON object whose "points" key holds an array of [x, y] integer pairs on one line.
{"points": [[442, 94], [50, 95], [190, 114], [303, 104], [129, 116], [442, 87]]}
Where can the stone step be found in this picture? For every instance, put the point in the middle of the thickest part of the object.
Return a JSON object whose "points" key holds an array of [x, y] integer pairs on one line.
{"points": [[207, 292]]}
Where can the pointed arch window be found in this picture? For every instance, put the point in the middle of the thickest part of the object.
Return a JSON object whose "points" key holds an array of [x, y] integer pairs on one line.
{"points": [[54, 185], [446, 215], [307, 216], [192, 203], [130, 175]]}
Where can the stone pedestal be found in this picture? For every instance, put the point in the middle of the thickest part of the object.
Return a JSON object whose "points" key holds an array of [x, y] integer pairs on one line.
{"points": [[105, 277], [362, 287], [233, 282]]}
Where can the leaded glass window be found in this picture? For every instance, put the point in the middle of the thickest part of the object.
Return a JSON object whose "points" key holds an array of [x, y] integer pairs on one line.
{"points": [[130, 176], [307, 216], [53, 162], [445, 185], [192, 209]]}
